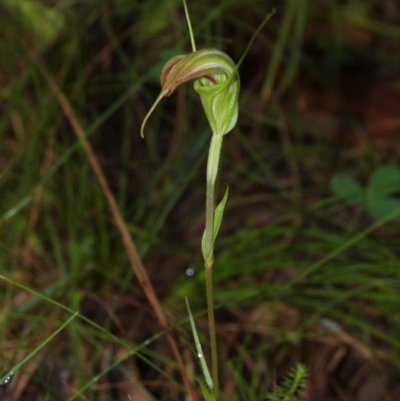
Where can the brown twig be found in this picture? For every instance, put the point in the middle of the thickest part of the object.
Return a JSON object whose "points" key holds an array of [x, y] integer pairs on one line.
{"points": [[129, 245]]}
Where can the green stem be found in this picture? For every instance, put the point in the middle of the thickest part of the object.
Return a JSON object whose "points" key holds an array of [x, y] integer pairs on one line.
{"points": [[212, 171], [211, 324], [189, 25]]}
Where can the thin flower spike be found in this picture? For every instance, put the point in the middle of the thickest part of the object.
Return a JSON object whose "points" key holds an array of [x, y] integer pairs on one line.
{"points": [[216, 81]]}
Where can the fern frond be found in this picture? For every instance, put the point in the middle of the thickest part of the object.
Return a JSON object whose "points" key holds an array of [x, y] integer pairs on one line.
{"points": [[292, 386]]}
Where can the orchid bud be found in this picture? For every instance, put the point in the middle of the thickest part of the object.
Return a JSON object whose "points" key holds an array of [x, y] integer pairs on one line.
{"points": [[216, 81]]}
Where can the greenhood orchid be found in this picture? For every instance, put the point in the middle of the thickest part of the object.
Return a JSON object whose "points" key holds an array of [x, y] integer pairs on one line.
{"points": [[216, 81]]}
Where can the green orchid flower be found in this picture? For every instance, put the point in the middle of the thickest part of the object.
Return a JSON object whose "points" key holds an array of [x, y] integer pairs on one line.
{"points": [[216, 81]]}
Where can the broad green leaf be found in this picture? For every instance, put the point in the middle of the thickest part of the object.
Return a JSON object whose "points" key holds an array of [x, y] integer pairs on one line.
{"points": [[380, 207], [347, 188], [384, 181]]}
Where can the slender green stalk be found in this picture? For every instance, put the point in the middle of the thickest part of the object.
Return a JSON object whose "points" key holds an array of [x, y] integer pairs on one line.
{"points": [[211, 324], [212, 171], [189, 26]]}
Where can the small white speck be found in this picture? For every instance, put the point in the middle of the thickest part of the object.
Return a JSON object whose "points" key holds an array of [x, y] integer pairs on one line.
{"points": [[190, 272], [330, 325], [8, 379]]}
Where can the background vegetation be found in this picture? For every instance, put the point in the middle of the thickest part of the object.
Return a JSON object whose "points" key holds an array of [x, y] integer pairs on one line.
{"points": [[305, 269]]}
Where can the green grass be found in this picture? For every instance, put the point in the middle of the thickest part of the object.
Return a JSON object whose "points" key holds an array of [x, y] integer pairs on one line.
{"points": [[286, 244]]}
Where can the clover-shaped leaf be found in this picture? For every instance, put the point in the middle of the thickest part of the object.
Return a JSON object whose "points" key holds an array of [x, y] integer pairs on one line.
{"points": [[384, 181], [382, 207], [382, 187], [379, 197], [348, 188]]}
